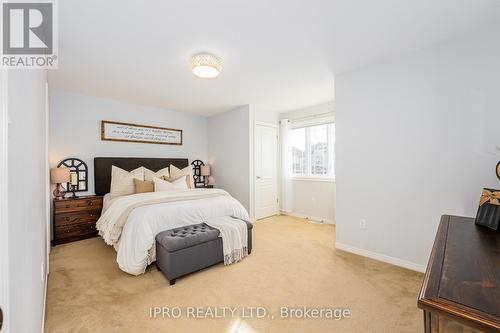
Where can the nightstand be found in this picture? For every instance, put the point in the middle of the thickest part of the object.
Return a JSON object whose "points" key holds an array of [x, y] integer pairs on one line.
{"points": [[75, 218]]}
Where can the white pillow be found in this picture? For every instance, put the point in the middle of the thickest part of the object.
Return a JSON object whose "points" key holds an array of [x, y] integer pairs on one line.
{"points": [[149, 175], [175, 173], [163, 185], [122, 182]]}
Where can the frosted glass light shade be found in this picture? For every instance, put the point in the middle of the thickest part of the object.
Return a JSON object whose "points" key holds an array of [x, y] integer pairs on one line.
{"points": [[205, 65]]}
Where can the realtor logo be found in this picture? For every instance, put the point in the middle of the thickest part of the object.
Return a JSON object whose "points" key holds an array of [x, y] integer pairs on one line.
{"points": [[28, 37]]}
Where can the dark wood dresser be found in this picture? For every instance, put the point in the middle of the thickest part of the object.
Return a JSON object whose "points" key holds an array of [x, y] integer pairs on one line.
{"points": [[75, 218], [461, 288]]}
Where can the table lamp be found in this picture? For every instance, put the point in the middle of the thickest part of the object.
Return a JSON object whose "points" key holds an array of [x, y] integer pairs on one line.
{"points": [[59, 176], [205, 172]]}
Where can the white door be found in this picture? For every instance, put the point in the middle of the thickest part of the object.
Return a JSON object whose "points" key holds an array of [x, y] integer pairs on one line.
{"points": [[266, 152]]}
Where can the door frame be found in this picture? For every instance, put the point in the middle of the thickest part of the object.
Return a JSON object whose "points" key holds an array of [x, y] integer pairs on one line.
{"points": [[254, 165], [4, 196]]}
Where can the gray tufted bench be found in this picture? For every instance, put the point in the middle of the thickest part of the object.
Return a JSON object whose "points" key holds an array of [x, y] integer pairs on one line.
{"points": [[188, 249]]}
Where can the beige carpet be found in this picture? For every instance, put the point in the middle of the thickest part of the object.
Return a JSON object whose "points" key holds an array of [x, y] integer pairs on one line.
{"points": [[293, 264]]}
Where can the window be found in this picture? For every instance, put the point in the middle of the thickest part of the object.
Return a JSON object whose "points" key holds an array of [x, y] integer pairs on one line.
{"points": [[298, 138], [312, 151]]}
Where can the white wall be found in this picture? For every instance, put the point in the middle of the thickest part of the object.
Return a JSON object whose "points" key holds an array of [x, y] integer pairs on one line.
{"points": [[27, 169], [263, 115], [229, 152], [313, 110], [310, 198], [313, 199], [411, 145], [75, 130]]}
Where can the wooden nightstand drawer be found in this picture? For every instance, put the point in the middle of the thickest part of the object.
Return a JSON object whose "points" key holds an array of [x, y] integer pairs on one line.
{"points": [[90, 216], [72, 205], [75, 218], [75, 230]]}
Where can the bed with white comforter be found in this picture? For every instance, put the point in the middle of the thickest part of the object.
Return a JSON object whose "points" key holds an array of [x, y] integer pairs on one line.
{"points": [[130, 223]]}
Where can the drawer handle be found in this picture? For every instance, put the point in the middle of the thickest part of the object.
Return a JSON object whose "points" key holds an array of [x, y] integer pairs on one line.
{"points": [[67, 218], [91, 203]]}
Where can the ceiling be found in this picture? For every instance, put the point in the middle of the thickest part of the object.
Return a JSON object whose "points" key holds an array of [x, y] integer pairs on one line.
{"points": [[277, 54]]}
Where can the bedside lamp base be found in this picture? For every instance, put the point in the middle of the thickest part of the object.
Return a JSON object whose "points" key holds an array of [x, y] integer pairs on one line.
{"points": [[59, 193]]}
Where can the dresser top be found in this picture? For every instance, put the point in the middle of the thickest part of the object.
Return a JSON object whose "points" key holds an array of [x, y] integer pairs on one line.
{"points": [[463, 274], [83, 197]]}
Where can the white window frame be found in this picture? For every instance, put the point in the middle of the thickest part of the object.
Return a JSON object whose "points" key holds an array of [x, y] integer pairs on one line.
{"points": [[308, 176]]}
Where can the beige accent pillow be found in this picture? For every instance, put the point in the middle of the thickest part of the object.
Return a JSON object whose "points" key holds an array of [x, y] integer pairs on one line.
{"points": [[176, 173], [122, 182], [149, 175], [163, 185], [171, 179], [144, 186]]}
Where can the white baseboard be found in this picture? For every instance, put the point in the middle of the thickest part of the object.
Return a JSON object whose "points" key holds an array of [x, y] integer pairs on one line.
{"points": [[309, 217], [381, 257]]}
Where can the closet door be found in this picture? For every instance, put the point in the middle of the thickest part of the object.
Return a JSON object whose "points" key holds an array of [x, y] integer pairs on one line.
{"points": [[266, 154]]}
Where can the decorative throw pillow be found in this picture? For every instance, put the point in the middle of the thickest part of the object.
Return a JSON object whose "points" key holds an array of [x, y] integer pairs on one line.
{"points": [[144, 186], [176, 173], [171, 179], [163, 185], [149, 175], [122, 182]]}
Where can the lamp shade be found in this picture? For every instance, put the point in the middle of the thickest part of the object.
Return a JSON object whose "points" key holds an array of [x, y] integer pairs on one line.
{"points": [[205, 170], [59, 175]]}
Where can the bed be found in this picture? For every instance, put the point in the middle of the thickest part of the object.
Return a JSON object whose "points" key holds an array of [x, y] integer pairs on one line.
{"points": [[130, 223]]}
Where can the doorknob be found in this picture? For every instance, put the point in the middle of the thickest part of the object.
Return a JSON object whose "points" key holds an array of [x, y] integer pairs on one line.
{"points": [[258, 177]]}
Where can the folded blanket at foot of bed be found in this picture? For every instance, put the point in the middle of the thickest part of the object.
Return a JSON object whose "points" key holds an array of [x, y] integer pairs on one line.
{"points": [[184, 250], [233, 232]]}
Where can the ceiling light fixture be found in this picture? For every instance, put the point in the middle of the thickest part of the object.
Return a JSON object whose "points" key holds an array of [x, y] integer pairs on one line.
{"points": [[205, 65]]}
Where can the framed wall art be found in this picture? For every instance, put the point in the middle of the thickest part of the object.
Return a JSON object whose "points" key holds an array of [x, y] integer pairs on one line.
{"points": [[125, 132]]}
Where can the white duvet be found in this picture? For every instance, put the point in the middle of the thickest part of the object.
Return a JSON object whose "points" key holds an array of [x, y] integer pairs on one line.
{"points": [[130, 223]]}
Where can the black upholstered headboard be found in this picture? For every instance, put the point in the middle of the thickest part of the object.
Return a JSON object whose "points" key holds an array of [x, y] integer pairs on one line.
{"points": [[102, 168]]}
